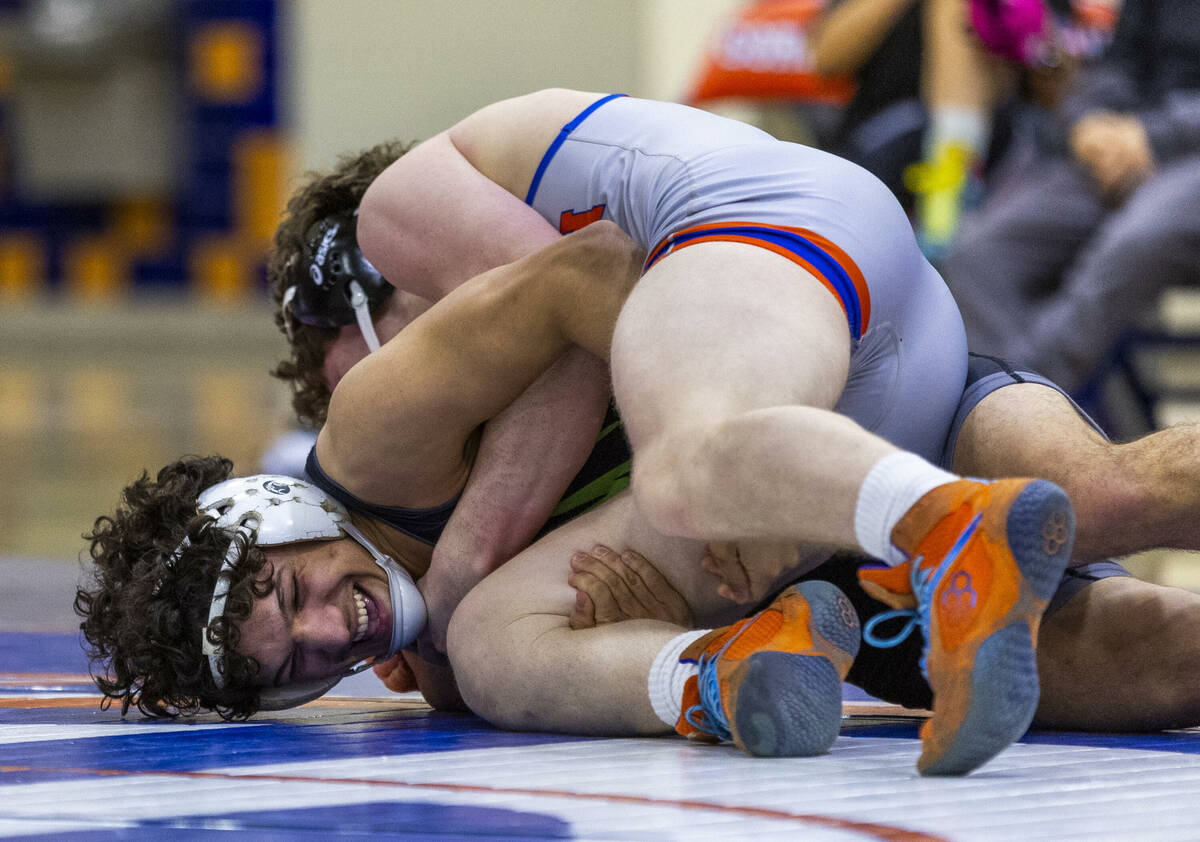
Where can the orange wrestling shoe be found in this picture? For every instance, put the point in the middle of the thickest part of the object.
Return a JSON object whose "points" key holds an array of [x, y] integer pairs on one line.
{"points": [[773, 682], [984, 560]]}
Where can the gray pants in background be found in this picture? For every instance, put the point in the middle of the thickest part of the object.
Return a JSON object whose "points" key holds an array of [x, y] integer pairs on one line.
{"points": [[1049, 273]]}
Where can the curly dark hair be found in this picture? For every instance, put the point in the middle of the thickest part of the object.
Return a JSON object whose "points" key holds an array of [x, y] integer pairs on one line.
{"points": [[143, 615], [323, 194]]}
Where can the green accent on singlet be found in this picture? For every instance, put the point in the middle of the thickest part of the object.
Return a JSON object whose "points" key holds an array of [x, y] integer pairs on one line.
{"points": [[604, 476], [602, 488], [604, 432]]}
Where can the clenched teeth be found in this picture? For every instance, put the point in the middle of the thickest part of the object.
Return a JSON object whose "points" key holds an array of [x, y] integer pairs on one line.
{"points": [[361, 604]]}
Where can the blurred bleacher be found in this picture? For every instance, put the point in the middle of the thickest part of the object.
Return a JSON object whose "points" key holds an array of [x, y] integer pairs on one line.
{"points": [[139, 145], [89, 398]]}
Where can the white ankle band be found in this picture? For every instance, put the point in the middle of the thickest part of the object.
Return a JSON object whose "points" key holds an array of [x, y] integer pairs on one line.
{"points": [[893, 485], [667, 677]]}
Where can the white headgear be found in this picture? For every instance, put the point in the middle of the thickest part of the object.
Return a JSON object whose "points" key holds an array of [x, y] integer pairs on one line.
{"points": [[269, 510]]}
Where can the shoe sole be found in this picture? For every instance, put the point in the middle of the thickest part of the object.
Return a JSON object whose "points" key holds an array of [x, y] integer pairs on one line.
{"points": [[789, 704], [1004, 681]]}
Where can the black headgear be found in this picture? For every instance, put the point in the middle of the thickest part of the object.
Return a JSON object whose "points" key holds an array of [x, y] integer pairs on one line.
{"points": [[340, 284]]}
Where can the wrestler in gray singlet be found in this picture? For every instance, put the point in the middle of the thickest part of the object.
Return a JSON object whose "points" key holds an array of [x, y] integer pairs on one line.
{"points": [[671, 176]]}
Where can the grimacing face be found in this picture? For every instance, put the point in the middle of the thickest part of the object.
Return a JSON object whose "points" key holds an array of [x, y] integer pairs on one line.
{"points": [[328, 609]]}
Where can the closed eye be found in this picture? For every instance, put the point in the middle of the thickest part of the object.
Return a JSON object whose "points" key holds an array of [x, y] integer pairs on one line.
{"points": [[288, 667], [294, 658]]}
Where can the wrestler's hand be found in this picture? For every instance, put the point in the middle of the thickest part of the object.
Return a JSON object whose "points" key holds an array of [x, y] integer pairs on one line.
{"points": [[395, 674], [748, 569], [612, 586], [1115, 149]]}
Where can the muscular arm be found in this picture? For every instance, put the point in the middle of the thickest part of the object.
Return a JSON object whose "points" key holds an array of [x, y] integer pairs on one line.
{"points": [[436, 683], [399, 421], [431, 232], [431, 220], [848, 34], [527, 457]]}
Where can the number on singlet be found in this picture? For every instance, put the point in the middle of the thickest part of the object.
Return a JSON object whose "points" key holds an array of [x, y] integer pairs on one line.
{"points": [[574, 220]]}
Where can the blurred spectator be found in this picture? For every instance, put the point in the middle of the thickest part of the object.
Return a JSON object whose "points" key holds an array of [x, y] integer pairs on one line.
{"points": [[925, 92], [1080, 240], [928, 91], [761, 57]]}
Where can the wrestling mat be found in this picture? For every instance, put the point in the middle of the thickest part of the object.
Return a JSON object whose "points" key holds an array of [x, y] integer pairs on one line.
{"points": [[359, 764]]}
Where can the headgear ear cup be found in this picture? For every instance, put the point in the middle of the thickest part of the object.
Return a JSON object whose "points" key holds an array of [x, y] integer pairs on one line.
{"points": [[1017, 30], [339, 284]]}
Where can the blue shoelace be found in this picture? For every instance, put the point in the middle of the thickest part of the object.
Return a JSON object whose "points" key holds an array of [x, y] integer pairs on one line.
{"points": [[709, 715], [924, 583]]}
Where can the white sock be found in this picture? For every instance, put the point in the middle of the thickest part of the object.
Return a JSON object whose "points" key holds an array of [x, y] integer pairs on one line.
{"points": [[892, 486], [963, 126], [667, 677]]}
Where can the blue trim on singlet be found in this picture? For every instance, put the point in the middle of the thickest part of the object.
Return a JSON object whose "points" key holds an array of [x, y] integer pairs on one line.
{"points": [[828, 267], [425, 525], [563, 133]]}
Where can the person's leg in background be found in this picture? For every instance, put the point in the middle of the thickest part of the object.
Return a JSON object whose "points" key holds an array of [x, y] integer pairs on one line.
{"points": [[1014, 249], [1150, 243], [960, 86]]}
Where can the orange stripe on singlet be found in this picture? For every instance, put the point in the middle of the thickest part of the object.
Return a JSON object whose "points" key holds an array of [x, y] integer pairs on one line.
{"points": [[819, 256]]}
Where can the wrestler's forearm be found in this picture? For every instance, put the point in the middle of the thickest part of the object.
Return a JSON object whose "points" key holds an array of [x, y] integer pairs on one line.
{"points": [[527, 457], [408, 409], [848, 34]]}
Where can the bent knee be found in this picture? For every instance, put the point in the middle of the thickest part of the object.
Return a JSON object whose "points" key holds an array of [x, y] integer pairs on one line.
{"points": [[470, 641], [1115, 508], [664, 480], [494, 657], [1104, 500]]}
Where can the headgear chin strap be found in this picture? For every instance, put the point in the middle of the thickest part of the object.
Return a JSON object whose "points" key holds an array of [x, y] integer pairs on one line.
{"points": [[269, 510], [340, 284]]}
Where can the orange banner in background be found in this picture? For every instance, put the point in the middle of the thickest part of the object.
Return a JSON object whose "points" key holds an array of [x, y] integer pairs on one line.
{"points": [[1096, 14], [763, 54]]}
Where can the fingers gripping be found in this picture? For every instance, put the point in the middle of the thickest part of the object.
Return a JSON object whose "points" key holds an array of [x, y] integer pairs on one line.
{"points": [[748, 569], [723, 559], [601, 576], [622, 586]]}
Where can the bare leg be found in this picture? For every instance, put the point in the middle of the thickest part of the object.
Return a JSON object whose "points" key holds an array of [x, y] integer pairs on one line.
{"points": [[1122, 655], [727, 360], [959, 84], [1127, 497], [520, 666], [958, 73]]}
